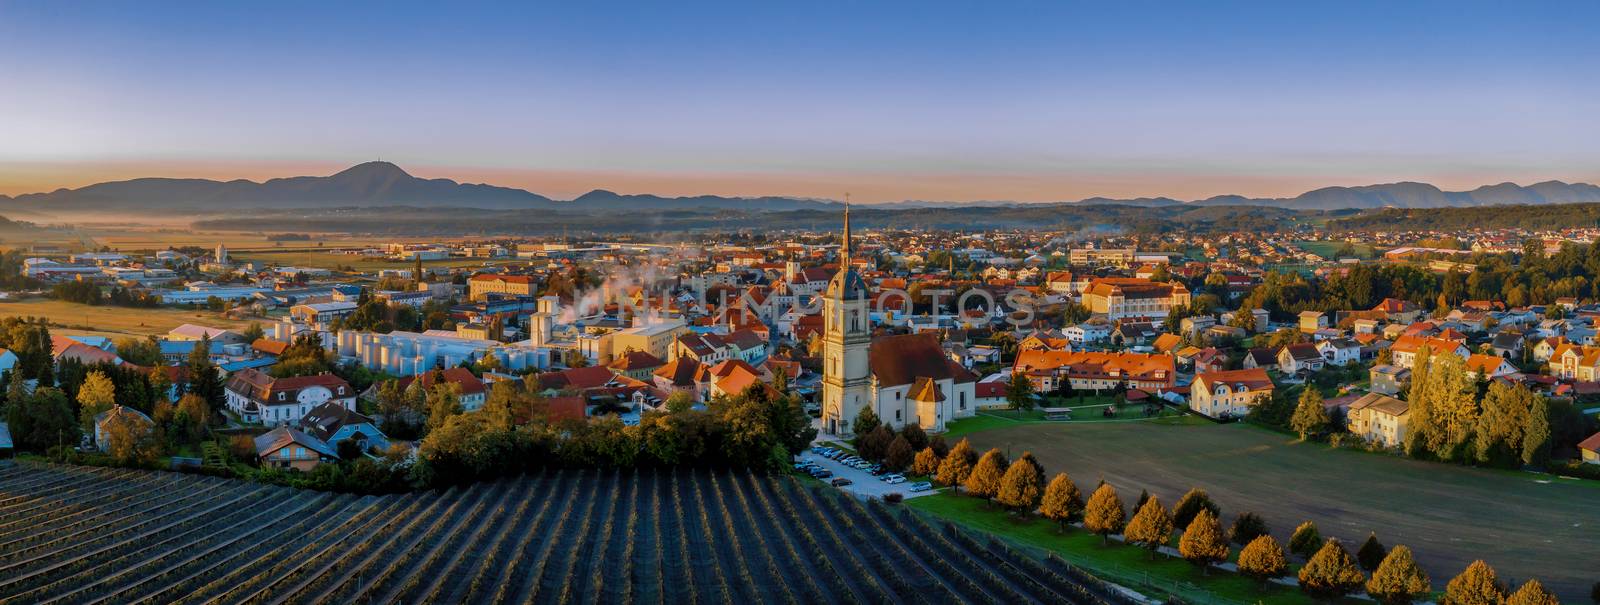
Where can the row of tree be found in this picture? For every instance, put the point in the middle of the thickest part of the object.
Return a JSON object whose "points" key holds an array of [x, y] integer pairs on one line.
{"points": [[1329, 569]]}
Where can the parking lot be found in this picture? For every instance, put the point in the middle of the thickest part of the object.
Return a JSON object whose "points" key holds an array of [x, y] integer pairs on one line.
{"points": [[863, 484]]}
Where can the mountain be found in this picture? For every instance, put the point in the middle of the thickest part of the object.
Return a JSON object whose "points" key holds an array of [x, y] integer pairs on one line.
{"points": [[369, 184], [382, 184]]}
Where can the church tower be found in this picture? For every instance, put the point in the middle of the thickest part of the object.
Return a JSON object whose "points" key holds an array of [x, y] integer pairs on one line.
{"points": [[846, 338]]}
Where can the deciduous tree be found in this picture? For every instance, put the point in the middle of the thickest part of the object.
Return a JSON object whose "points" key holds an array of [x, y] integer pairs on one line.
{"points": [[957, 465], [899, 455], [984, 482], [1247, 527], [1104, 514], [1203, 543], [1532, 593], [1190, 505], [1022, 485], [1306, 540], [1150, 526], [1062, 502], [1477, 585], [1331, 572], [926, 462], [1263, 559], [1398, 580], [1310, 418], [96, 395]]}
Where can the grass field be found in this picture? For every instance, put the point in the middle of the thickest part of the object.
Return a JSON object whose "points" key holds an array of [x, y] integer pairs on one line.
{"points": [[1328, 249], [1525, 525], [329, 260], [105, 320]]}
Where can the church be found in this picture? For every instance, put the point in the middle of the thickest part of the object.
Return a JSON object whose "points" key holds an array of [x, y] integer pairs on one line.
{"points": [[906, 379]]}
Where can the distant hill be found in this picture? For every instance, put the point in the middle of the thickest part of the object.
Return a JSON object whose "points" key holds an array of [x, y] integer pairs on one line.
{"points": [[369, 184], [382, 184]]}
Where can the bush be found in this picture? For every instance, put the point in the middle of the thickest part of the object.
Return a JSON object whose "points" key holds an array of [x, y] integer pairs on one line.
{"points": [[893, 497]]}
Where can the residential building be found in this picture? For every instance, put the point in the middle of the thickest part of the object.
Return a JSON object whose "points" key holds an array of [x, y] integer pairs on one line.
{"points": [[258, 397], [482, 285], [289, 448], [1379, 419], [333, 423], [1388, 379], [117, 413], [1229, 394], [1300, 357], [469, 388], [1095, 370], [1120, 298]]}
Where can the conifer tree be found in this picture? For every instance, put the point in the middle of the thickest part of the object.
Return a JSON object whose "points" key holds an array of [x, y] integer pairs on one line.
{"points": [[1022, 485], [1192, 502], [866, 421], [1419, 405], [1331, 572], [1247, 527], [957, 465], [1309, 416], [1202, 542], [1536, 433], [1371, 552], [1263, 559], [1532, 593], [1062, 502], [984, 482], [1477, 585], [1104, 514], [1150, 527], [926, 462], [1306, 540], [1398, 580]]}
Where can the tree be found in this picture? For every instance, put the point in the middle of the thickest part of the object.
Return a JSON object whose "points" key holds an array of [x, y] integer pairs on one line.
{"points": [[192, 416], [1190, 505], [915, 436], [128, 439], [926, 462], [1398, 580], [1104, 514], [1477, 585], [866, 422], [204, 379], [1536, 434], [96, 395], [1309, 416], [899, 455], [252, 333], [1263, 559], [1150, 527], [1019, 392], [1532, 593], [1022, 485], [1247, 527], [957, 465], [984, 482], [1331, 572], [1305, 540], [679, 402], [1371, 552], [1202, 542], [443, 401], [40, 420], [875, 444], [1062, 502], [497, 406]]}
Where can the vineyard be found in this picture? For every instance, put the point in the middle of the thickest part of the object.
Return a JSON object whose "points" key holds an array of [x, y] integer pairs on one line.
{"points": [[96, 535]]}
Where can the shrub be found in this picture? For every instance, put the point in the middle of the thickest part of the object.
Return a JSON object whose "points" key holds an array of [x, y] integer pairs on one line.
{"points": [[893, 497]]}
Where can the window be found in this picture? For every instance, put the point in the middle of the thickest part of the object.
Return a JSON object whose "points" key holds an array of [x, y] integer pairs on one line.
{"points": [[897, 415], [280, 396]]}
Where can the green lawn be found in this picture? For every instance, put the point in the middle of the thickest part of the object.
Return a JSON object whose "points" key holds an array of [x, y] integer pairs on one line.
{"points": [[1129, 566], [1524, 524]]}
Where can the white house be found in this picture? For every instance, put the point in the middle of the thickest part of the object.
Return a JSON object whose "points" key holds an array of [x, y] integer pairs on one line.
{"points": [[1340, 351], [258, 397]]}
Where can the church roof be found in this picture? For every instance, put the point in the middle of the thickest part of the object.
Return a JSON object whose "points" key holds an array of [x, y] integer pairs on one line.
{"points": [[926, 389], [899, 360]]}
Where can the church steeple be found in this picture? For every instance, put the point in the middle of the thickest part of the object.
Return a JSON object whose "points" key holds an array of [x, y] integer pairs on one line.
{"points": [[844, 249]]}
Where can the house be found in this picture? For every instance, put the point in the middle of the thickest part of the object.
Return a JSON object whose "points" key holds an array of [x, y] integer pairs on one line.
{"points": [[1300, 357], [1311, 321], [990, 393], [1130, 334], [1340, 351], [1546, 348], [1590, 449], [1406, 348], [1388, 379], [1379, 419], [333, 423], [8, 360], [1399, 311], [321, 313], [638, 365], [7, 447], [117, 413], [194, 332], [1506, 345], [1261, 357], [258, 397], [1167, 343], [705, 348], [1095, 370], [470, 389], [1087, 332], [1040, 341], [1489, 366], [677, 375], [1229, 394], [291, 449]]}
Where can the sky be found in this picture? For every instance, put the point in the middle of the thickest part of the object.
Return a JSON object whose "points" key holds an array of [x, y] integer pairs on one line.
{"points": [[928, 100]]}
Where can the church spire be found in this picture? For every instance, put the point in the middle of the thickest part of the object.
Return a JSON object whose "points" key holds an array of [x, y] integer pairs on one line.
{"points": [[844, 249]]}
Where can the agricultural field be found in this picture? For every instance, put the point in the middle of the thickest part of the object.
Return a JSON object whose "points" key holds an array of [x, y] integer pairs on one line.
{"points": [[1524, 524], [92, 535], [1328, 249], [113, 321], [331, 260]]}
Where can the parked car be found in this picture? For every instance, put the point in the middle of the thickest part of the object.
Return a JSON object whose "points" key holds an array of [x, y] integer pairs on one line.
{"points": [[862, 464], [841, 482], [894, 479], [822, 473], [920, 486]]}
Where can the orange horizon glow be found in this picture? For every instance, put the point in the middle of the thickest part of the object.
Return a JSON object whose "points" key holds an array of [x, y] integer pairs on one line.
{"points": [[869, 187]]}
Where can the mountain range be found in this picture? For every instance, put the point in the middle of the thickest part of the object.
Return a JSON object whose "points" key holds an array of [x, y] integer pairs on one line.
{"points": [[383, 184]]}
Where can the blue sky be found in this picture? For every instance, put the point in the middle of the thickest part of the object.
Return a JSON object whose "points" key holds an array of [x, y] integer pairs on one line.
{"points": [[915, 100]]}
